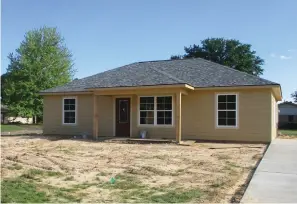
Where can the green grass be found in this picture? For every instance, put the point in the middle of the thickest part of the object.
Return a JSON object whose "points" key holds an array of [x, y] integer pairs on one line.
{"points": [[33, 173], [15, 167], [289, 132], [20, 191], [132, 190], [11, 128]]}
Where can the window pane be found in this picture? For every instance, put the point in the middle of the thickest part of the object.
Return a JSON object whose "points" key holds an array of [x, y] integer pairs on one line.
{"points": [[231, 114], [71, 120], [168, 114], [66, 101], [231, 122], [231, 98], [168, 106], [72, 101], [146, 99], [231, 106], [160, 106], [222, 122], [222, 106], [222, 98], [66, 120], [142, 114], [160, 121], [222, 114], [149, 106], [164, 103], [168, 99], [66, 107], [160, 99], [146, 120], [168, 121], [160, 114]]}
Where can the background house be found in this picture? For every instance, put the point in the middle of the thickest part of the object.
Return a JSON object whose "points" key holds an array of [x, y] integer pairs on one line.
{"points": [[287, 115], [6, 118]]}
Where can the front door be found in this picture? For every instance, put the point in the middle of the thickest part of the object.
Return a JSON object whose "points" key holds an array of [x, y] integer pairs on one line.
{"points": [[123, 117]]}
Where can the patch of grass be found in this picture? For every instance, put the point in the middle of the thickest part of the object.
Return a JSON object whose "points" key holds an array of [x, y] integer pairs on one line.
{"points": [[15, 167], [11, 128], [289, 132], [102, 174], [32, 173], [176, 196], [232, 164], [147, 170], [69, 178], [223, 157], [20, 191], [83, 185]]}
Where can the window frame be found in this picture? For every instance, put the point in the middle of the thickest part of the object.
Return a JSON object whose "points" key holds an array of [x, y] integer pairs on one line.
{"points": [[236, 126], [75, 111], [156, 111]]}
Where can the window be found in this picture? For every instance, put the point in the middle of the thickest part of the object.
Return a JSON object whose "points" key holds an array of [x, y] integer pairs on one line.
{"points": [[69, 110], [290, 118], [155, 110], [226, 110]]}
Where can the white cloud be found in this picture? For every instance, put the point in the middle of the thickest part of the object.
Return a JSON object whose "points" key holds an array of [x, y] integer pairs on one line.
{"points": [[283, 57], [292, 50]]}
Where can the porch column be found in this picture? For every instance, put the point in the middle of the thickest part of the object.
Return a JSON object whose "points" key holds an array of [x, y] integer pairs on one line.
{"points": [[178, 117], [95, 117]]}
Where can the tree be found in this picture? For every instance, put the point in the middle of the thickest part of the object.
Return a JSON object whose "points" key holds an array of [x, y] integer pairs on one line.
{"points": [[42, 61], [294, 96], [231, 53]]}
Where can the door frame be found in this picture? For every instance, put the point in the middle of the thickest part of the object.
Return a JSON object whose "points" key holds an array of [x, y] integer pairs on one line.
{"points": [[114, 114]]}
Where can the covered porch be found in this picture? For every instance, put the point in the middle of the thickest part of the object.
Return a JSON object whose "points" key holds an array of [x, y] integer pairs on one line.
{"points": [[156, 110]]}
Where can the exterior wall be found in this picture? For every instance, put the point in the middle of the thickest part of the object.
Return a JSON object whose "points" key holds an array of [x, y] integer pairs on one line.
{"points": [[105, 115], [52, 116], [254, 116]]}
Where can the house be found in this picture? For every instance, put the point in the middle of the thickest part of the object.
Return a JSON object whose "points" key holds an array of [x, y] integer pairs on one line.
{"points": [[287, 115], [178, 99], [7, 118]]}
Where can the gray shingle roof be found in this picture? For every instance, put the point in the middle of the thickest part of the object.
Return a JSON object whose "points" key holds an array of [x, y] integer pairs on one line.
{"points": [[195, 72]]}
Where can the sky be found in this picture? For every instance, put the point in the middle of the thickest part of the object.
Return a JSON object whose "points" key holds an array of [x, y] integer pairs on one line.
{"points": [[107, 34]]}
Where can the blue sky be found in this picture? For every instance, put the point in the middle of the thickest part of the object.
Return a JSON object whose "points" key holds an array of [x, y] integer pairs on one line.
{"points": [[107, 34]]}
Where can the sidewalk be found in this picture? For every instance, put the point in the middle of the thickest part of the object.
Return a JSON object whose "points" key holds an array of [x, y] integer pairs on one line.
{"points": [[275, 180]]}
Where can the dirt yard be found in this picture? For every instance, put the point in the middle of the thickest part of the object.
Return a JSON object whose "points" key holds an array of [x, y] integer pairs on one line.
{"points": [[56, 170]]}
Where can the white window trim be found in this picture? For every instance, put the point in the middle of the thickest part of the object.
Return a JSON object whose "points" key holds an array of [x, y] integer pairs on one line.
{"points": [[217, 111], [155, 112], [63, 112]]}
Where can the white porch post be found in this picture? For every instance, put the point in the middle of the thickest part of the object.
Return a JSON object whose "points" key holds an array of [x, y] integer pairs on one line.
{"points": [[95, 117], [178, 117]]}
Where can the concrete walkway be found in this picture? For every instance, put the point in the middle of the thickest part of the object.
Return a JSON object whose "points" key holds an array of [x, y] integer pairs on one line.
{"points": [[275, 180]]}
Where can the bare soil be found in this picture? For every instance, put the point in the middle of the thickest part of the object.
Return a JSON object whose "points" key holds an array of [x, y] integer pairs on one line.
{"points": [[219, 171]]}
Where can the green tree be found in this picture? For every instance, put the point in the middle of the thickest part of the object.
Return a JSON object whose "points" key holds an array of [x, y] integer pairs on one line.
{"points": [[42, 61], [231, 53], [294, 96]]}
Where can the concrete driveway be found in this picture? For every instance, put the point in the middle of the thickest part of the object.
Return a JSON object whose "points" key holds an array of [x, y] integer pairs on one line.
{"points": [[275, 180]]}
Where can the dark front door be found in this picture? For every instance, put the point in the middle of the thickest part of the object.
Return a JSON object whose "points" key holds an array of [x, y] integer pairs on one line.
{"points": [[123, 117]]}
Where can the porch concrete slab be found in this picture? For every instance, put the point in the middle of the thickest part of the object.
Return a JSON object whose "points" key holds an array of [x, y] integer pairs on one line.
{"points": [[275, 179]]}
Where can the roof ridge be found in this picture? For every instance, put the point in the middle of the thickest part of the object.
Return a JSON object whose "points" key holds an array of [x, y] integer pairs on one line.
{"points": [[168, 75], [165, 60], [208, 61]]}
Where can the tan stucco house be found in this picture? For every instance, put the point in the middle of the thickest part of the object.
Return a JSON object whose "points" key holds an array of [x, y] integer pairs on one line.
{"points": [[172, 99]]}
